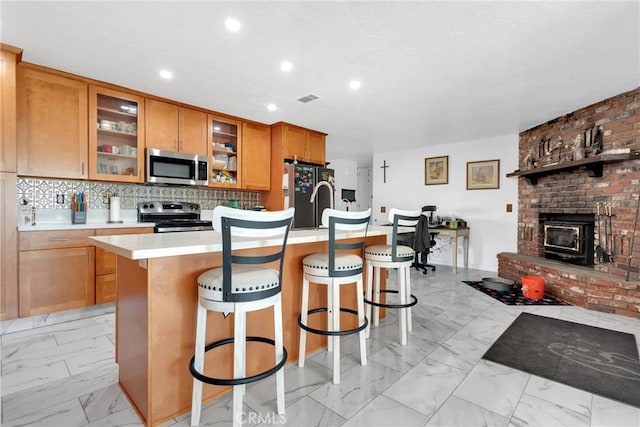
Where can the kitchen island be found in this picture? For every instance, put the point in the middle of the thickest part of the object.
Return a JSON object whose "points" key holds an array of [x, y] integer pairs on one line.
{"points": [[156, 312]]}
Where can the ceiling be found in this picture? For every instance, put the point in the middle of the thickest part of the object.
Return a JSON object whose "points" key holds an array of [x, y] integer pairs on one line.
{"points": [[432, 72]]}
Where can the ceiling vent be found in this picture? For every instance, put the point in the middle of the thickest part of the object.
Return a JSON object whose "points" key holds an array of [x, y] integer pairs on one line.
{"points": [[308, 98]]}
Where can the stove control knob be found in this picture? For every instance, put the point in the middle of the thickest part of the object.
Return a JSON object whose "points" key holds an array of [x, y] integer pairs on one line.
{"points": [[194, 207], [151, 206], [145, 206]]}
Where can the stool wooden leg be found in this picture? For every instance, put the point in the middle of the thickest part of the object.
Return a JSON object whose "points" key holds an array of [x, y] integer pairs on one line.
{"points": [[239, 348], [277, 323], [361, 320], [201, 328], [335, 291], [369, 295], [304, 308], [403, 300]]}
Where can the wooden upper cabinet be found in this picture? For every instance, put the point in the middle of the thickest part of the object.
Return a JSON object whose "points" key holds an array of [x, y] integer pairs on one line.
{"points": [[256, 156], [174, 128], [225, 152], [316, 147], [295, 143], [52, 124], [116, 135], [8, 59], [161, 120], [301, 144], [193, 131]]}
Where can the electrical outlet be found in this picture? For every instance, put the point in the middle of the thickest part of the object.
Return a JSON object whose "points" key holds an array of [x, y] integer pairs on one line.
{"points": [[60, 199], [509, 207], [383, 209]]}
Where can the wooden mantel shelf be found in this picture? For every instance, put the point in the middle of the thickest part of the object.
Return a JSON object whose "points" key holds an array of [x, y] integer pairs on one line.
{"points": [[593, 165]]}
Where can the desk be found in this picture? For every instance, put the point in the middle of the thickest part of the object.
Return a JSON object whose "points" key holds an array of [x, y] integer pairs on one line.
{"points": [[454, 234]]}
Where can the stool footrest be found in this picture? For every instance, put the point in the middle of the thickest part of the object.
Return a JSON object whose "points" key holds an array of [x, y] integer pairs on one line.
{"points": [[332, 333], [238, 381], [413, 302]]}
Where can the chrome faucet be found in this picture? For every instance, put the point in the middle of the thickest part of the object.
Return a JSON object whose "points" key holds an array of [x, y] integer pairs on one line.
{"points": [[329, 186]]}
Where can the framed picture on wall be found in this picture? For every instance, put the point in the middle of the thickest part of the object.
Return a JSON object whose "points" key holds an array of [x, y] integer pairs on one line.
{"points": [[436, 170], [483, 175]]}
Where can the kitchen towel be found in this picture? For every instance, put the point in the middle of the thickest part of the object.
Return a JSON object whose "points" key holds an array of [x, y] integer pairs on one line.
{"points": [[114, 209]]}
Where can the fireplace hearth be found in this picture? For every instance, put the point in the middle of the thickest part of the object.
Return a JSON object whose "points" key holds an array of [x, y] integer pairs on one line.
{"points": [[569, 238]]}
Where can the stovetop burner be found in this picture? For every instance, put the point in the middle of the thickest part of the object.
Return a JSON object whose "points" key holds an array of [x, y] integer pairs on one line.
{"points": [[172, 216]]}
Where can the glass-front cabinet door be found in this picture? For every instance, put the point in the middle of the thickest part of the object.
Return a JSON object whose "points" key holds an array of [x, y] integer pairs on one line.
{"points": [[116, 135], [225, 136]]}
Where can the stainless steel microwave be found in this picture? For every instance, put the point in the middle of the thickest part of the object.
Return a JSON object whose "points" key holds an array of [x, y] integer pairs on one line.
{"points": [[168, 167]]}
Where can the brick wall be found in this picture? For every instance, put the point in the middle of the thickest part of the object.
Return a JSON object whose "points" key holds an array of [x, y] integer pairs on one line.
{"points": [[574, 191]]}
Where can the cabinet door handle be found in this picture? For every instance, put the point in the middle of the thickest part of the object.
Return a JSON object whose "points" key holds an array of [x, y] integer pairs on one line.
{"points": [[82, 168], [58, 239]]}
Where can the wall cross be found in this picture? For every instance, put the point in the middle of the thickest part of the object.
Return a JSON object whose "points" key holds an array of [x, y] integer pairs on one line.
{"points": [[384, 171]]}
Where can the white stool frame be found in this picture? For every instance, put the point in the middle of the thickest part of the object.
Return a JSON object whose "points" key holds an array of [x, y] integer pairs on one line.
{"points": [[336, 220], [398, 218], [225, 290]]}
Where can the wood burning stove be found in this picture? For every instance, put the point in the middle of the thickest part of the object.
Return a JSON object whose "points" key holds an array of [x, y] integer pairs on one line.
{"points": [[569, 238]]}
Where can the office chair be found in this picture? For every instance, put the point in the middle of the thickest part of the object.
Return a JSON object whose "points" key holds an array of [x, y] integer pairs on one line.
{"points": [[424, 240]]}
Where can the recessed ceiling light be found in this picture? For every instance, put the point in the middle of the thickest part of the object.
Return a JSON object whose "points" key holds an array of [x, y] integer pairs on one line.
{"points": [[355, 84], [232, 25], [286, 66], [272, 107], [166, 74]]}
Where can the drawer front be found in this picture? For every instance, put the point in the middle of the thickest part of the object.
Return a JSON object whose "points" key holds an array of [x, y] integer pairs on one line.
{"points": [[35, 240]]}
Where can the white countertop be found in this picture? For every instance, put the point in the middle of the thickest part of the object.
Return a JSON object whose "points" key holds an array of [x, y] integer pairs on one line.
{"points": [[142, 246]]}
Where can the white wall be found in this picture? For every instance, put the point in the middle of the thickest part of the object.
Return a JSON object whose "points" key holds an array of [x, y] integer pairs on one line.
{"points": [[345, 177], [492, 229]]}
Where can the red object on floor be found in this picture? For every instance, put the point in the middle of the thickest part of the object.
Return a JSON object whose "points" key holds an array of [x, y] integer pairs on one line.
{"points": [[533, 287]]}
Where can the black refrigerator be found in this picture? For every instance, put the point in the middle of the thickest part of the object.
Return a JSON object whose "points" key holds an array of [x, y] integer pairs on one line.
{"points": [[299, 182]]}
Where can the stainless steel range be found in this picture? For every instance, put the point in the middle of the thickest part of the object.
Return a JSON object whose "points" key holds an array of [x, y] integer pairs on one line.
{"points": [[172, 216]]}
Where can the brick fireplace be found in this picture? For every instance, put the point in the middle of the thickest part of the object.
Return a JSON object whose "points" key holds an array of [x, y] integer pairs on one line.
{"points": [[558, 177]]}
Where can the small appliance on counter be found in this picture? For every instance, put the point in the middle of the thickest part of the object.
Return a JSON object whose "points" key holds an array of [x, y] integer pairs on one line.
{"points": [[172, 216]]}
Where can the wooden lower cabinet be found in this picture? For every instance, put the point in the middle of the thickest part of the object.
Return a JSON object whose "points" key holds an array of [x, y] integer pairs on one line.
{"points": [[105, 288], [106, 265], [56, 279], [8, 247]]}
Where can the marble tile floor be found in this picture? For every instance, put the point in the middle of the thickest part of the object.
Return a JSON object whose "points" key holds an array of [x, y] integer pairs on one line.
{"points": [[59, 370]]}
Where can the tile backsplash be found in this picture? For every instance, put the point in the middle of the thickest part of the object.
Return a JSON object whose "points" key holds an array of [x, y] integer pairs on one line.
{"points": [[42, 194]]}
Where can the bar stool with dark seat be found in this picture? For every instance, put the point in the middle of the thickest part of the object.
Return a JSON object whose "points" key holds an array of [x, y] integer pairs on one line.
{"points": [[334, 269], [244, 283], [398, 255]]}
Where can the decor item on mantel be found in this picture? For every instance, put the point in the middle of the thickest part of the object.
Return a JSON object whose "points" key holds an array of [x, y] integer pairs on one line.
{"points": [[593, 164], [596, 148], [578, 148]]}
